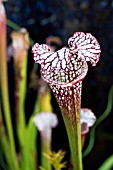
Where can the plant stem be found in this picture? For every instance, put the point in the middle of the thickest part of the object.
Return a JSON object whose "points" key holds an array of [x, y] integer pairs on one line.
{"points": [[73, 127], [74, 136], [32, 134], [21, 121], [6, 107], [21, 39], [4, 91], [4, 140], [45, 148]]}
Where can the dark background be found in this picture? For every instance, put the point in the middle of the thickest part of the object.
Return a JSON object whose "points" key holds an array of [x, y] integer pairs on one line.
{"points": [[62, 18]]}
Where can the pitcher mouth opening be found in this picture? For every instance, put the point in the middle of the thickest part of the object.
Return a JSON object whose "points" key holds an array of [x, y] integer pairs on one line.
{"points": [[67, 77]]}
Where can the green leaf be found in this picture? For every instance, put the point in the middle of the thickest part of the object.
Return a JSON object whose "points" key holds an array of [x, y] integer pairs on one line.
{"points": [[108, 164]]}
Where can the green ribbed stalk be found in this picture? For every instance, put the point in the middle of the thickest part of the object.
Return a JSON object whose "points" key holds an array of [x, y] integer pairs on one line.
{"points": [[74, 136], [4, 141], [4, 88], [20, 64], [20, 111], [5, 101], [46, 148], [70, 108], [73, 127]]}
